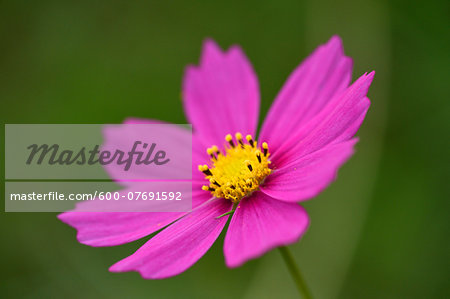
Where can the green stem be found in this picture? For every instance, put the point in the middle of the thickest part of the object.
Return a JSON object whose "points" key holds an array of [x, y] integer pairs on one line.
{"points": [[295, 272], [233, 209]]}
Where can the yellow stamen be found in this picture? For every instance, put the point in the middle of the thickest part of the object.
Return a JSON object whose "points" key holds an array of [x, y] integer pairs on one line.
{"points": [[265, 148], [239, 139], [250, 140], [211, 152], [239, 170], [229, 139]]}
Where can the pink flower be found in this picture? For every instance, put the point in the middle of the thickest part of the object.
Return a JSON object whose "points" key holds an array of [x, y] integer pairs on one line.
{"points": [[307, 135]]}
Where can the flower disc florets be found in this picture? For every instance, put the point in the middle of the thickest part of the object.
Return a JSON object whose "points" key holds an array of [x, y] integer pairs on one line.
{"points": [[238, 171]]}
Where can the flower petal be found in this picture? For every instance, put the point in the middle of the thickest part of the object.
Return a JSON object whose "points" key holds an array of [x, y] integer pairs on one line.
{"points": [[111, 229], [308, 89], [259, 224], [306, 177], [179, 246], [123, 136], [221, 96], [100, 229], [337, 122]]}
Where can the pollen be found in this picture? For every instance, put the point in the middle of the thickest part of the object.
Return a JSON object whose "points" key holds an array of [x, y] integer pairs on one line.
{"points": [[237, 171]]}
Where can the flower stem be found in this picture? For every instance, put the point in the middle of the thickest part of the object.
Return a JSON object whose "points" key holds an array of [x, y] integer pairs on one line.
{"points": [[230, 212], [295, 272]]}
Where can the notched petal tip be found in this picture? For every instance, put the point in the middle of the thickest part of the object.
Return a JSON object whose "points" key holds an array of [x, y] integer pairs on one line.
{"points": [[335, 39], [64, 217], [211, 52], [236, 51], [363, 83], [334, 44], [210, 44], [117, 267]]}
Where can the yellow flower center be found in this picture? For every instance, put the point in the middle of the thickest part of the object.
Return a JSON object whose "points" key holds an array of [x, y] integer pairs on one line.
{"points": [[237, 172]]}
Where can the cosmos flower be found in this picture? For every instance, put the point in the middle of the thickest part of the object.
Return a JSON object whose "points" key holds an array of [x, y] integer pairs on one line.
{"points": [[306, 136]]}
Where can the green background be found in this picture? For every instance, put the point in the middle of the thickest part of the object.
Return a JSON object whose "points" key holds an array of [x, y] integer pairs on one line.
{"points": [[380, 231]]}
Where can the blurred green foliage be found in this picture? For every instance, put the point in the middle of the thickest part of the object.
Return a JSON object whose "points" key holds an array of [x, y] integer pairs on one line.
{"points": [[380, 231]]}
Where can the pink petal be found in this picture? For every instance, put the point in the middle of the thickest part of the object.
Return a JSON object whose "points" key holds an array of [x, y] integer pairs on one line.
{"points": [[198, 148], [179, 246], [221, 96], [337, 122], [306, 177], [123, 136], [309, 88], [259, 224], [111, 229], [100, 229]]}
